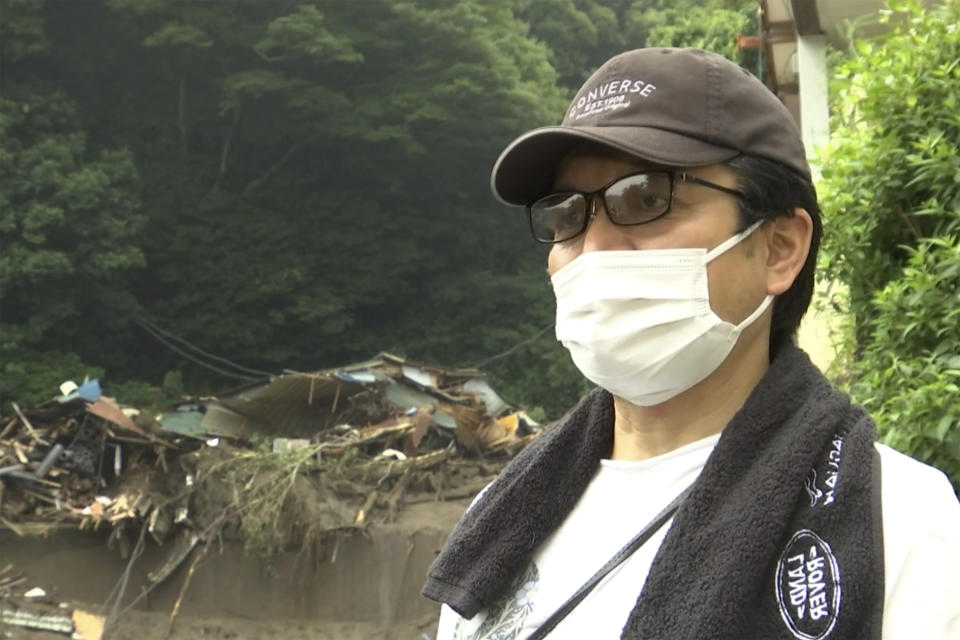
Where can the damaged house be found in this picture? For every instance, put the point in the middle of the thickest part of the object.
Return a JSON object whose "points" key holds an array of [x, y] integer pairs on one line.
{"points": [[314, 466]]}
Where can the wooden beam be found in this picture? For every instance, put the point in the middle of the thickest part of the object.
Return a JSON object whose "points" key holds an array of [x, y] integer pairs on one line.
{"points": [[807, 18], [781, 25], [767, 48]]}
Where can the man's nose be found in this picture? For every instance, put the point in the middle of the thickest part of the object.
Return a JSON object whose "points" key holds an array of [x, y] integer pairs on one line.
{"points": [[601, 233]]}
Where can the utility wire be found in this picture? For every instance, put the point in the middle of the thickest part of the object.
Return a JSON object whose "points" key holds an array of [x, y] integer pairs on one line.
{"points": [[256, 372], [165, 337], [196, 360], [514, 348]]}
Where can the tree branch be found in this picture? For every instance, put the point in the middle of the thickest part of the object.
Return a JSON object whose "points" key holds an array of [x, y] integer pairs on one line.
{"points": [[225, 153], [266, 175], [181, 108]]}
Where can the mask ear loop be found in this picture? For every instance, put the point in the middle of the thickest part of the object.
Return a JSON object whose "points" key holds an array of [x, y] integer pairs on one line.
{"points": [[732, 241], [725, 246], [749, 320]]}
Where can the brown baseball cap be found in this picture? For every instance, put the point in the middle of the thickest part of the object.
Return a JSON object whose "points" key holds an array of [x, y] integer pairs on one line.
{"points": [[671, 107]]}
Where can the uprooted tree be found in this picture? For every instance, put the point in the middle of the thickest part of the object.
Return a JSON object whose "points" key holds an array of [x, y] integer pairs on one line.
{"points": [[891, 196]]}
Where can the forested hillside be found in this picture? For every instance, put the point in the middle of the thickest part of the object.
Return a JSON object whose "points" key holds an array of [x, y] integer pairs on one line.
{"points": [[288, 185]]}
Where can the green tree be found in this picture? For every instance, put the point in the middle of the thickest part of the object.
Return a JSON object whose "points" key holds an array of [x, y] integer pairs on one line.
{"points": [[712, 26], [313, 176], [580, 34], [345, 204], [21, 28], [68, 229], [891, 195]]}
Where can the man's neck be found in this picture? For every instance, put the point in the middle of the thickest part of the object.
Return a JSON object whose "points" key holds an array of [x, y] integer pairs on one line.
{"points": [[701, 411]]}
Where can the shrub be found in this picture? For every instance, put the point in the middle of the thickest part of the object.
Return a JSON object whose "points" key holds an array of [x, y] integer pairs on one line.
{"points": [[891, 198]]}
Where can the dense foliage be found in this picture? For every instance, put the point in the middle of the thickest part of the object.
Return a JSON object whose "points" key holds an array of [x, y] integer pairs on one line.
{"points": [[891, 193], [288, 184], [69, 226]]}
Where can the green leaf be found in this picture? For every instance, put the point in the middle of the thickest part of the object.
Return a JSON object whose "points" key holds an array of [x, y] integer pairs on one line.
{"points": [[174, 34], [943, 427]]}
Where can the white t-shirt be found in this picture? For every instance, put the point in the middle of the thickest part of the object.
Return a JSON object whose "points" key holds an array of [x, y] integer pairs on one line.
{"points": [[921, 528]]}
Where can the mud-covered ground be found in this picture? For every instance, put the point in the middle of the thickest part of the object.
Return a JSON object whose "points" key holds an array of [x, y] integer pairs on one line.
{"points": [[375, 578], [153, 627], [138, 625]]}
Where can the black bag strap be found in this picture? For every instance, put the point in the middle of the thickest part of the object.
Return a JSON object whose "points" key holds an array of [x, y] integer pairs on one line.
{"points": [[625, 552]]}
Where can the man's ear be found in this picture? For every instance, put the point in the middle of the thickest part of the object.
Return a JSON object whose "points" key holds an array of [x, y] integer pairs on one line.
{"points": [[788, 244]]}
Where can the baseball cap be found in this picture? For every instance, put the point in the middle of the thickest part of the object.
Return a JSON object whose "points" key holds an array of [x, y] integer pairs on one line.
{"points": [[669, 106]]}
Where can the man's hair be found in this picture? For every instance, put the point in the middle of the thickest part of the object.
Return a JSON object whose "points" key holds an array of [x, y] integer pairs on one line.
{"points": [[772, 190]]}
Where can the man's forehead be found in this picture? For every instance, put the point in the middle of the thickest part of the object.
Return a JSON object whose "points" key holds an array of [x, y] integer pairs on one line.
{"points": [[583, 156]]}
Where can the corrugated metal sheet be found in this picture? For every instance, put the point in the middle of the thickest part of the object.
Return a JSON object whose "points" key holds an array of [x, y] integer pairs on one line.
{"points": [[301, 404]]}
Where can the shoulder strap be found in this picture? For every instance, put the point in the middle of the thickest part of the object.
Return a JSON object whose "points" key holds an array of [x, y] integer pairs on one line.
{"points": [[625, 552]]}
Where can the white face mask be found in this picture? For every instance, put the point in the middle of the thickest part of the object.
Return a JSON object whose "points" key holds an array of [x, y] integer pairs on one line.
{"points": [[639, 323]]}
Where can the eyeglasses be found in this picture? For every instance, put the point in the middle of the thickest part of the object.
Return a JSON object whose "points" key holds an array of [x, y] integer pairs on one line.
{"points": [[637, 198]]}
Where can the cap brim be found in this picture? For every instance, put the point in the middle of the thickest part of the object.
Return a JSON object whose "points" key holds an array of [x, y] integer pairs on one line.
{"points": [[525, 169]]}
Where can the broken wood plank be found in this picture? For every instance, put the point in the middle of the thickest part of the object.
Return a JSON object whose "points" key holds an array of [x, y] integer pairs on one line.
{"points": [[395, 468], [393, 428], [41, 497], [183, 545], [9, 525], [26, 423], [13, 582], [396, 494], [462, 492], [8, 428], [18, 451], [183, 588], [88, 625], [365, 509]]}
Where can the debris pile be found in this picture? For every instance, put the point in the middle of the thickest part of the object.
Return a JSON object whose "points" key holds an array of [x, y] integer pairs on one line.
{"points": [[294, 460], [34, 609], [9, 581]]}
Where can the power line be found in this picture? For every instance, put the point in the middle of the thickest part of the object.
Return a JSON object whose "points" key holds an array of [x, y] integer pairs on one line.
{"points": [[241, 368], [515, 347], [166, 338], [158, 333]]}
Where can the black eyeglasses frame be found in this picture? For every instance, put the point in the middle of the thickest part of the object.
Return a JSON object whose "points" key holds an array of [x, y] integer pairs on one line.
{"points": [[592, 196]]}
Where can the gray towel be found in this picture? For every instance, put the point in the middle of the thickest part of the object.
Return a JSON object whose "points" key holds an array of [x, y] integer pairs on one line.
{"points": [[780, 537]]}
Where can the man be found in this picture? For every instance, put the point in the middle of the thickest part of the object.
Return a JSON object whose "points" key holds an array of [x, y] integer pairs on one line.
{"points": [[714, 485]]}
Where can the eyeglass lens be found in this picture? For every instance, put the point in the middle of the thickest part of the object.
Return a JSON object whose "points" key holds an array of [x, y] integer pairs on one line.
{"points": [[634, 199]]}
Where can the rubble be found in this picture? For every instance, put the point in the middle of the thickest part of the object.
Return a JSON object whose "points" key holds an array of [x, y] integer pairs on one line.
{"points": [[293, 461], [33, 610]]}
